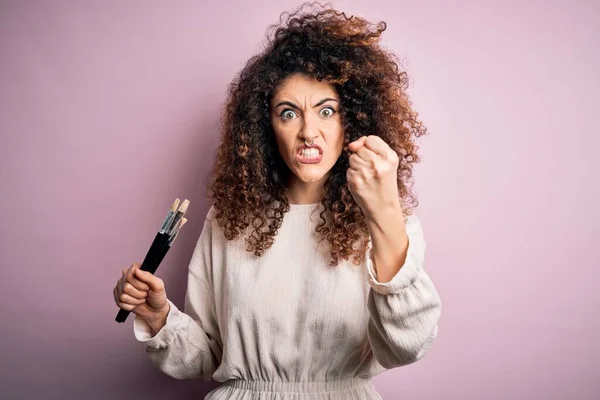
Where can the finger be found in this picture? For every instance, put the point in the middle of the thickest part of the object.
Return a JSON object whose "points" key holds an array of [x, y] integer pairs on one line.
{"points": [[354, 179], [357, 163], [133, 292], [124, 298], [358, 143], [121, 304], [126, 307], [377, 145], [367, 155], [130, 277], [155, 284], [134, 280], [131, 269], [136, 283]]}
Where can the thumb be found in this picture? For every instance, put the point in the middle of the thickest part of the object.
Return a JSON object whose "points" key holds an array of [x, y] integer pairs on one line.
{"points": [[155, 284], [357, 144]]}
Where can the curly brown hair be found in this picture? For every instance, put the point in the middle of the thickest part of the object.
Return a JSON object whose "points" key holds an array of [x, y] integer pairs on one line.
{"points": [[249, 177]]}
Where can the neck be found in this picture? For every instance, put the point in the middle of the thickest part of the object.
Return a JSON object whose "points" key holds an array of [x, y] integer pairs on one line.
{"points": [[299, 192]]}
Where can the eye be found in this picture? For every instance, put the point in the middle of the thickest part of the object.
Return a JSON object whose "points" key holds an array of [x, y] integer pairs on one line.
{"points": [[327, 112], [287, 114]]}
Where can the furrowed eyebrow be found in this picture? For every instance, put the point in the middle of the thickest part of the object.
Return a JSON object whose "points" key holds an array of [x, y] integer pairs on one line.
{"points": [[324, 101], [289, 103]]}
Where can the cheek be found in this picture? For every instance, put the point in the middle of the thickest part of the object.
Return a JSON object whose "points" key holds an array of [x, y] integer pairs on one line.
{"points": [[337, 138], [284, 140]]}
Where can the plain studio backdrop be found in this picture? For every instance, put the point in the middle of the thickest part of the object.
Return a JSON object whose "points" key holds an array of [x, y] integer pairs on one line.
{"points": [[109, 110]]}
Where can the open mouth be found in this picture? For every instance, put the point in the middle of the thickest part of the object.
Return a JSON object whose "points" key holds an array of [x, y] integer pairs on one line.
{"points": [[310, 155]]}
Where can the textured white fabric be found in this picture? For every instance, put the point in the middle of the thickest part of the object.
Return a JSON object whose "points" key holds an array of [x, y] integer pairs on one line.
{"points": [[289, 326]]}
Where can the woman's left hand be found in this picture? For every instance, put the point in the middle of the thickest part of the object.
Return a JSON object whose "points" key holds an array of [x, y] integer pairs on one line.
{"points": [[372, 176]]}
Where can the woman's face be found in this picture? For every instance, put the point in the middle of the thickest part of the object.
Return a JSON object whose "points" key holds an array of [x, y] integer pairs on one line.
{"points": [[303, 108]]}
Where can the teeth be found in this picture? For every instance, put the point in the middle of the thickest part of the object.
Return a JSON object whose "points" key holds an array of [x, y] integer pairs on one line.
{"points": [[312, 153]]}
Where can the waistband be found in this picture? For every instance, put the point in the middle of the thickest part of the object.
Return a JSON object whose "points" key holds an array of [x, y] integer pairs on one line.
{"points": [[300, 386]]}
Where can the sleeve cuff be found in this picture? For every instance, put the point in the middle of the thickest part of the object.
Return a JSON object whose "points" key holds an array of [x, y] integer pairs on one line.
{"points": [[143, 332], [408, 273]]}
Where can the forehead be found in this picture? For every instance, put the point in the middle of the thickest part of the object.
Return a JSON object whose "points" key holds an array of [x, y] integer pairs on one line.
{"points": [[299, 86]]}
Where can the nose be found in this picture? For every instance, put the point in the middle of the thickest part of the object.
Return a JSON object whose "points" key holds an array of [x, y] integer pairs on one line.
{"points": [[310, 128]]}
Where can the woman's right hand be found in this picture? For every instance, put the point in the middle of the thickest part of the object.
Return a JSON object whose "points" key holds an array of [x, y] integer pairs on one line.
{"points": [[143, 294]]}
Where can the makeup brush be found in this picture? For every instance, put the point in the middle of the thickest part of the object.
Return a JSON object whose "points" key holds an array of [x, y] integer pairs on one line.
{"points": [[162, 243], [162, 252]]}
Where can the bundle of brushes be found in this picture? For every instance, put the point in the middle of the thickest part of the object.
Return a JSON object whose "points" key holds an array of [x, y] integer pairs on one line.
{"points": [[162, 243]]}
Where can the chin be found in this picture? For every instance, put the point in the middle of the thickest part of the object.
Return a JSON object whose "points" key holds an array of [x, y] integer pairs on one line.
{"points": [[308, 179], [310, 176]]}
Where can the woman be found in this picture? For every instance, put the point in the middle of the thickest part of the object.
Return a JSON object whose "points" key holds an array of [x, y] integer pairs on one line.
{"points": [[307, 279]]}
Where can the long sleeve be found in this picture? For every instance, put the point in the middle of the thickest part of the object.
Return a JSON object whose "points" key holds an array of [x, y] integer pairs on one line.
{"points": [[189, 345], [404, 312]]}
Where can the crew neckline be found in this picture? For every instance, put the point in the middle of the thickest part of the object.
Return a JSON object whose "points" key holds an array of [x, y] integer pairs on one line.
{"points": [[303, 207]]}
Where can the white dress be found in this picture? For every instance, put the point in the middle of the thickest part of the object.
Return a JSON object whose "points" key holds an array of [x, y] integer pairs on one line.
{"points": [[289, 326]]}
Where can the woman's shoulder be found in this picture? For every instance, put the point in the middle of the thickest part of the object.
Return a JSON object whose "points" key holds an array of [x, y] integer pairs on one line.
{"points": [[210, 214], [211, 225]]}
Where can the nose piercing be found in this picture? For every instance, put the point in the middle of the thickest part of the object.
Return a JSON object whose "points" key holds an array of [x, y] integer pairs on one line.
{"points": [[311, 142]]}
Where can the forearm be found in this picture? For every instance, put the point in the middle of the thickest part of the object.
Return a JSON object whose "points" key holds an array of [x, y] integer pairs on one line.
{"points": [[406, 308], [182, 348], [390, 242]]}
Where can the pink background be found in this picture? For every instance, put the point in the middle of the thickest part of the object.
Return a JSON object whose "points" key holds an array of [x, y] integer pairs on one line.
{"points": [[109, 110]]}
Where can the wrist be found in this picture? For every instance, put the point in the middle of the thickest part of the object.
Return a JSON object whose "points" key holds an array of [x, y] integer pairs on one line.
{"points": [[383, 215], [159, 320]]}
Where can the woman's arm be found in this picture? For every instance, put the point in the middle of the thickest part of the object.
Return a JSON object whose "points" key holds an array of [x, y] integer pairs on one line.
{"points": [[188, 345], [405, 308]]}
